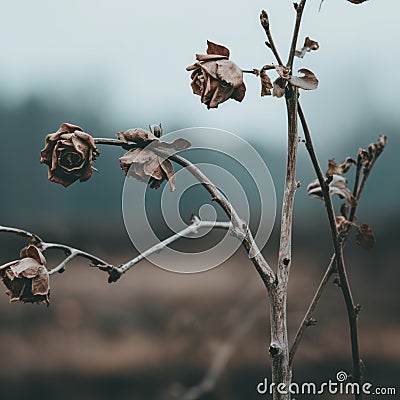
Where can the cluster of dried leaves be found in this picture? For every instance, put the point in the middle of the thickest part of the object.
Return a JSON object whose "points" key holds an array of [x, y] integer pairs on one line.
{"points": [[366, 159]]}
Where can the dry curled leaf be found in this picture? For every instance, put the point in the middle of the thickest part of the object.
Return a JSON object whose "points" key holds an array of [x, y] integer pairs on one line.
{"points": [[339, 169], [27, 279], [338, 185], [215, 78], [367, 157], [365, 237], [144, 164], [342, 224], [279, 87], [266, 84], [283, 72], [306, 82], [69, 154], [309, 45]]}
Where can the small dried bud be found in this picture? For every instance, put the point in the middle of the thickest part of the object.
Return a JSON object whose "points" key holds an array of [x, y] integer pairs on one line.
{"points": [[309, 45], [27, 279], [69, 154], [339, 169], [365, 237], [264, 20]]}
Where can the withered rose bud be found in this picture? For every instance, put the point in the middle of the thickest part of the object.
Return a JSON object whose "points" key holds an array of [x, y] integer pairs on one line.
{"points": [[27, 279], [144, 164], [69, 154], [215, 78]]}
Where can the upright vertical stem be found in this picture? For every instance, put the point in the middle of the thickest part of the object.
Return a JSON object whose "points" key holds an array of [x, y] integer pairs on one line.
{"points": [[279, 349]]}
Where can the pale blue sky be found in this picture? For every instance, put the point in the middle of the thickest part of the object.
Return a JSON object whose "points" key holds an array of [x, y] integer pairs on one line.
{"points": [[128, 59]]}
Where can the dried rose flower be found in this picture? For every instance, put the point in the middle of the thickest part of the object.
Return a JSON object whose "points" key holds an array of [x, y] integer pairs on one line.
{"points": [[69, 154], [215, 78], [143, 163], [27, 279]]}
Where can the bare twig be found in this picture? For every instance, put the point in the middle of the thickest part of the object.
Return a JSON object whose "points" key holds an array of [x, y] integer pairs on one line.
{"points": [[305, 323], [239, 227], [192, 228], [69, 251], [299, 15], [239, 328], [270, 43], [115, 272]]}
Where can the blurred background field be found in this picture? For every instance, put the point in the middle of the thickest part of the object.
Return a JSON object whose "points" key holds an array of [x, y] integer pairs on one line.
{"points": [[108, 67]]}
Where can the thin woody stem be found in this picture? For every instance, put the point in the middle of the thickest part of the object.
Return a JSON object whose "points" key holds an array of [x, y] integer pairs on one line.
{"points": [[299, 15], [352, 311], [239, 227], [305, 323], [72, 252], [192, 228], [270, 43]]}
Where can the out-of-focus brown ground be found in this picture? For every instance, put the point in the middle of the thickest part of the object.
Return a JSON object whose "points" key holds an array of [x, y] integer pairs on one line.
{"points": [[155, 333]]}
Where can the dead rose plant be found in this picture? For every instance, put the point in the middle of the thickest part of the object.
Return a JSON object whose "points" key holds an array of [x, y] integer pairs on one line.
{"points": [[69, 154]]}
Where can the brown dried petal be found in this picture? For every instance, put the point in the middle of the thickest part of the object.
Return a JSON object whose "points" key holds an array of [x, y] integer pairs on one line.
{"points": [[214, 48], [338, 186], [341, 223], [69, 128], [266, 84], [169, 172], [136, 135], [279, 87], [222, 93], [309, 45], [40, 284], [229, 72], [365, 237], [239, 93], [33, 252], [208, 57], [283, 72], [339, 169], [177, 144], [306, 82]]}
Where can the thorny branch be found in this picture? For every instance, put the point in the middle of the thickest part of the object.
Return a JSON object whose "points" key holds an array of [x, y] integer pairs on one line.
{"points": [[114, 272], [239, 227], [331, 269]]}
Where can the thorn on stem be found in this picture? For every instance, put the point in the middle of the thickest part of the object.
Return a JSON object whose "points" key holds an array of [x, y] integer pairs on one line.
{"points": [[274, 350], [312, 322], [336, 281]]}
